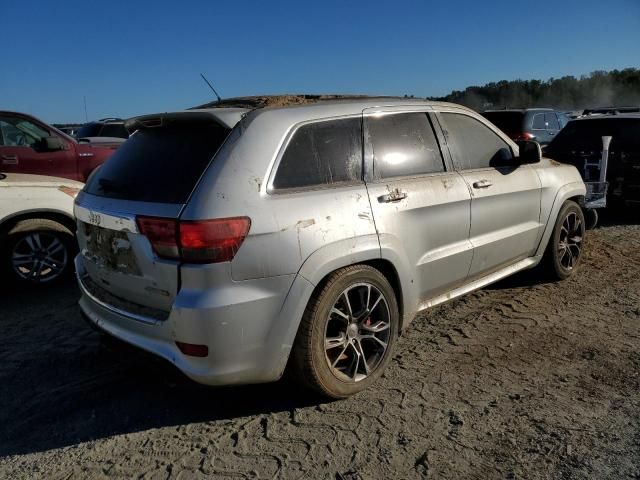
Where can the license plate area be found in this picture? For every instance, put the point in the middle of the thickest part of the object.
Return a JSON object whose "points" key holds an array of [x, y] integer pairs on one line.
{"points": [[110, 249]]}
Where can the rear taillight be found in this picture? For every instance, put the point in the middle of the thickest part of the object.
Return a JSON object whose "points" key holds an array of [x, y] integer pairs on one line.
{"points": [[193, 350], [524, 136], [162, 234], [201, 241], [210, 241]]}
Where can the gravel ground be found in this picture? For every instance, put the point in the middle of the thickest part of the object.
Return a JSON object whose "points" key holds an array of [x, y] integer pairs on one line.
{"points": [[525, 379]]}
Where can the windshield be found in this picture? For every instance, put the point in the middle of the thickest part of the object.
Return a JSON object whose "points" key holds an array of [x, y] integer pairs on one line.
{"points": [[508, 122], [159, 164]]}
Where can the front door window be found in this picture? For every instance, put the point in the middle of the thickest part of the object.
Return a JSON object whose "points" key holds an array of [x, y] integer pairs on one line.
{"points": [[19, 132]]}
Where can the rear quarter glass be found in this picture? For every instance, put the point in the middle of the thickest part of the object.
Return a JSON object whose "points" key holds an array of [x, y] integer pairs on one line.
{"points": [[160, 165]]}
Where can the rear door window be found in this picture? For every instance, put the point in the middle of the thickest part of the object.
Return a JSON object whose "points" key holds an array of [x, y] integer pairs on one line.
{"points": [[403, 145], [539, 122], [322, 153], [473, 144], [159, 164], [88, 130]]}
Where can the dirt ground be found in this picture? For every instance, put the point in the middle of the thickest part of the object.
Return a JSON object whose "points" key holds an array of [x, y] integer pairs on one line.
{"points": [[525, 379]]}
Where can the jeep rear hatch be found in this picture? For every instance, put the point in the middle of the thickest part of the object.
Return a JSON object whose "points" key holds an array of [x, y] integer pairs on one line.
{"points": [[163, 159], [150, 177]]}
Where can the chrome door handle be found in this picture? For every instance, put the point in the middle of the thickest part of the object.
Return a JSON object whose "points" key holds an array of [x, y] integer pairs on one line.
{"points": [[9, 159], [394, 196], [482, 184]]}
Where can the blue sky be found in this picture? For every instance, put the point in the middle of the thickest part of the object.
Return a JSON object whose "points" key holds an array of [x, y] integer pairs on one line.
{"points": [[137, 57]]}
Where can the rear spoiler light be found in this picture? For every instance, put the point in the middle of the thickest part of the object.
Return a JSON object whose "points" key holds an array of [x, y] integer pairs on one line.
{"points": [[195, 241]]}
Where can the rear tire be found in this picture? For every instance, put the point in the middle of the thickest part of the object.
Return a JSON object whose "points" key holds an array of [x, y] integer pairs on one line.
{"points": [[347, 334], [39, 251], [564, 250]]}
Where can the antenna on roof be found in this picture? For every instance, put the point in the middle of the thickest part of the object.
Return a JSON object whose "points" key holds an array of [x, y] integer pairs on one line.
{"points": [[211, 87]]}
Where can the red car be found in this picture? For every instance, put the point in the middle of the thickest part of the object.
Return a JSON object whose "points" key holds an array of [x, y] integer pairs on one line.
{"points": [[28, 145]]}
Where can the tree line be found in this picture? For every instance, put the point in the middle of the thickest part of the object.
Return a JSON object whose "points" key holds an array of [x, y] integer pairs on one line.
{"points": [[598, 89]]}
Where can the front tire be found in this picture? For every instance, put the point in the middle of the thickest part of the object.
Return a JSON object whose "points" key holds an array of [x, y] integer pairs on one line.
{"points": [[564, 250], [347, 334]]}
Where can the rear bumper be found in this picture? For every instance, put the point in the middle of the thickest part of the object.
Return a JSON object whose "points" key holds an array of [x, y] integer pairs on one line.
{"points": [[248, 327]]}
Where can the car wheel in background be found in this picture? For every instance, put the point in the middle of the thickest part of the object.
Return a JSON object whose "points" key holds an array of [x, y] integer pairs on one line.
{"points": [[564, 250], [347, 333], [39, 251], [591, 218]]}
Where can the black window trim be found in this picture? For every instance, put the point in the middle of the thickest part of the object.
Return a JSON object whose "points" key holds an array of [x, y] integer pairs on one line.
{"points": [[272, 190], [500, 134], [447, 163]]}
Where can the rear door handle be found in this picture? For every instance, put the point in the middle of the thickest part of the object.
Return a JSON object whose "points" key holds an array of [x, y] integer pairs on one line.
{"points": [[9, 159], [482, 184], [394, 196]]}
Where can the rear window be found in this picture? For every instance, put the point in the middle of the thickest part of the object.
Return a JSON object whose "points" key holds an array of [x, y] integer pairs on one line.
{"points": [[88, 130], [159, 165], [322, 153], [114, 130], [508, 122]]}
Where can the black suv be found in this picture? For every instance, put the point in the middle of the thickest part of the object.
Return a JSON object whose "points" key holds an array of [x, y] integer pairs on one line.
{"points": [[105, 127], [539, 124], [581, 142]]}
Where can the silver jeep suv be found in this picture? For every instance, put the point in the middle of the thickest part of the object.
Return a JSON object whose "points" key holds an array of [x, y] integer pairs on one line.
{"points": [[238, 242]]}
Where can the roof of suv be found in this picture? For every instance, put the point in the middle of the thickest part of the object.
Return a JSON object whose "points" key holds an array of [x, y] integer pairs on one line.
{"points": [[297, 111], [521, 110], [608, 116], [285, 100]]}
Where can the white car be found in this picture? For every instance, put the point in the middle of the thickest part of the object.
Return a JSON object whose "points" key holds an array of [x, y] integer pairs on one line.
{"points": [[37, 240]]}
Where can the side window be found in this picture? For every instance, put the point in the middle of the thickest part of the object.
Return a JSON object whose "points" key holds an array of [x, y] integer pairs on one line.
{"points": [[473, 144], [539, 123], [322, 153], [18, 132], [403, 144], [563, 119], [552, 121]]}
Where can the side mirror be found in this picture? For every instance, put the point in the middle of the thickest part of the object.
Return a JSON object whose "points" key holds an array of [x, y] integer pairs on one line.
{"points": [[53, 144], [530, 152]]}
